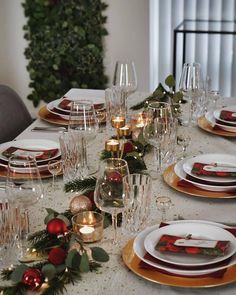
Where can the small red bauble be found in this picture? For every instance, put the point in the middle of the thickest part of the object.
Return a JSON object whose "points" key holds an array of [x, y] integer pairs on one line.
{"points": [[56, 226], [57, 256], [115, 177], [128, 147], [32, 278]]}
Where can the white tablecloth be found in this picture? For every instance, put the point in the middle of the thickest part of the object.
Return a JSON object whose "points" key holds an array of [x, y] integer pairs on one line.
{"points": [[114, 277]]}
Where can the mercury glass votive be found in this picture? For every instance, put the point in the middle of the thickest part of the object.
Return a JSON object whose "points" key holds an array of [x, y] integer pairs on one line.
{"points": [[124, 131], [112, 145], [88, 225], [117, 121]]}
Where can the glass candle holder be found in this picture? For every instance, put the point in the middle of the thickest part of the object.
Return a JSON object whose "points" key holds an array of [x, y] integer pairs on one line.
{"points": [[112, 145], [88, 225], [117, 121]]}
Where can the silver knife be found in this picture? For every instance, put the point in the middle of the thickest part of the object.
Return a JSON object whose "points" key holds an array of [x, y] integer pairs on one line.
{"points": [[49, 129]]}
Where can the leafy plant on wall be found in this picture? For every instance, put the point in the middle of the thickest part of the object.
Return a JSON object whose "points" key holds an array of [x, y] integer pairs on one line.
{"points": [[65, 46]]}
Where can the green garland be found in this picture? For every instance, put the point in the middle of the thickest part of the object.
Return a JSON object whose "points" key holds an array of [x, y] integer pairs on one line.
{"points": [[162, 94], [50, 276], [134, 151]]}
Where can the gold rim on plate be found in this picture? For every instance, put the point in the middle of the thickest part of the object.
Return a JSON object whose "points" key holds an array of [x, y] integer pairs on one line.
{"points": [[172, 180], [132, 262], [204, 124]]}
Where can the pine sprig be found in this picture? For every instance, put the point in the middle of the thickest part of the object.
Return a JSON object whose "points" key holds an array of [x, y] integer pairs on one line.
{"points": [[80, 184], [16, 289]]}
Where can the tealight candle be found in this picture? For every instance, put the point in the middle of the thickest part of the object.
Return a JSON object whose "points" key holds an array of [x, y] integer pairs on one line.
{"points": [[112, 145], [88, 225], [117, 121], [124, 131]]}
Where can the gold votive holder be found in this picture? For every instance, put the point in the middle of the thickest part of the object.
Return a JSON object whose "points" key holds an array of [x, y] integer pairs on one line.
{"points": [[124, 131], [117, 122], [112, 145], [88, 225]]}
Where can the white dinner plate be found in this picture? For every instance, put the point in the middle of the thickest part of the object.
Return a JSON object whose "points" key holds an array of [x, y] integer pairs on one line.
{"points": [[217, 112], [208, 159], [211, 119], [32, 144], [179, 171], [52, 107], [140, 251], [197, 231]]}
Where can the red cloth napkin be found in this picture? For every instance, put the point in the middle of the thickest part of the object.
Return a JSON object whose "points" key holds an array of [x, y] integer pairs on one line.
{"points": [[44, 154], [65, 104], [227, 116], [198, 169], [167, 244], [215, 274]]}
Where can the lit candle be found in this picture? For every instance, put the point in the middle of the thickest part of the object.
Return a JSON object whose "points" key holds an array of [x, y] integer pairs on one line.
{"points": [[124, 131], [112, 145], [118, 121], [86, 229], [89, 226]]}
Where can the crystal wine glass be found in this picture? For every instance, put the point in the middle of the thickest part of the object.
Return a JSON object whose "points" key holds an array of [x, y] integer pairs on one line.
{"points": [[164, 203], [156, 130], [54, 167], [191, 85], [125, 77], [109, 195], [83, 123], [24, 189]]}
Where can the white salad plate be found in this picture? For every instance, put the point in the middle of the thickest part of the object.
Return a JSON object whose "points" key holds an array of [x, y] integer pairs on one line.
{"points": [[140, 251], [217, 112], [179, 171], [197, 231], [218, 159], [211, 119], [31, 144]]}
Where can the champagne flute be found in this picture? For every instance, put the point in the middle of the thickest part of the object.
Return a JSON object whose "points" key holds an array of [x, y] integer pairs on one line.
{"points": [[83, 123], [125, 77], [54, 167], [24, 189], [191, 85], [109, 194]]}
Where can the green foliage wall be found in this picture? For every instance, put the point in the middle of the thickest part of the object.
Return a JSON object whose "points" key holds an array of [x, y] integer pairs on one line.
{"points": [[65, 46]]}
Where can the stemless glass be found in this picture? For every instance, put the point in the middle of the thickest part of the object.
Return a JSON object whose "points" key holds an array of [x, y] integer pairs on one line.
{"points": [[84, 124], [191, 85], [24, 189], [125, 77], [109, 194]]}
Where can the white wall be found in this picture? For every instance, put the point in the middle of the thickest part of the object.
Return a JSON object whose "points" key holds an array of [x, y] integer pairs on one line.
{"points": [[128, 38]]}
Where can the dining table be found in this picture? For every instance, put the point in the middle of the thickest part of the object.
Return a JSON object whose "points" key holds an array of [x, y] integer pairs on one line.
{"points": [[114, 277]]}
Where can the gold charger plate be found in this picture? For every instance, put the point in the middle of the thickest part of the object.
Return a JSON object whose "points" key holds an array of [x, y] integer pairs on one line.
{"points": [[172, 180], [132, 262], [45, 115], [206, 125]]}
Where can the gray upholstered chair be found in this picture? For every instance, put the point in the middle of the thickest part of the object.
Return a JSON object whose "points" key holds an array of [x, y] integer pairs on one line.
{"points": [[14, 116]]}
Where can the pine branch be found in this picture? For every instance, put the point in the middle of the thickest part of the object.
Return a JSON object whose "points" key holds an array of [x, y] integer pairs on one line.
{"points": [[105, 155], [80, 184]]}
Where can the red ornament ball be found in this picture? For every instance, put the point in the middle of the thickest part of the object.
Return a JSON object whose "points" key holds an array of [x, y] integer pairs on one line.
{"points": [[56, 226], [32, 278], [128, 147], [115, 177], [80, 203], [57, 256]]}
